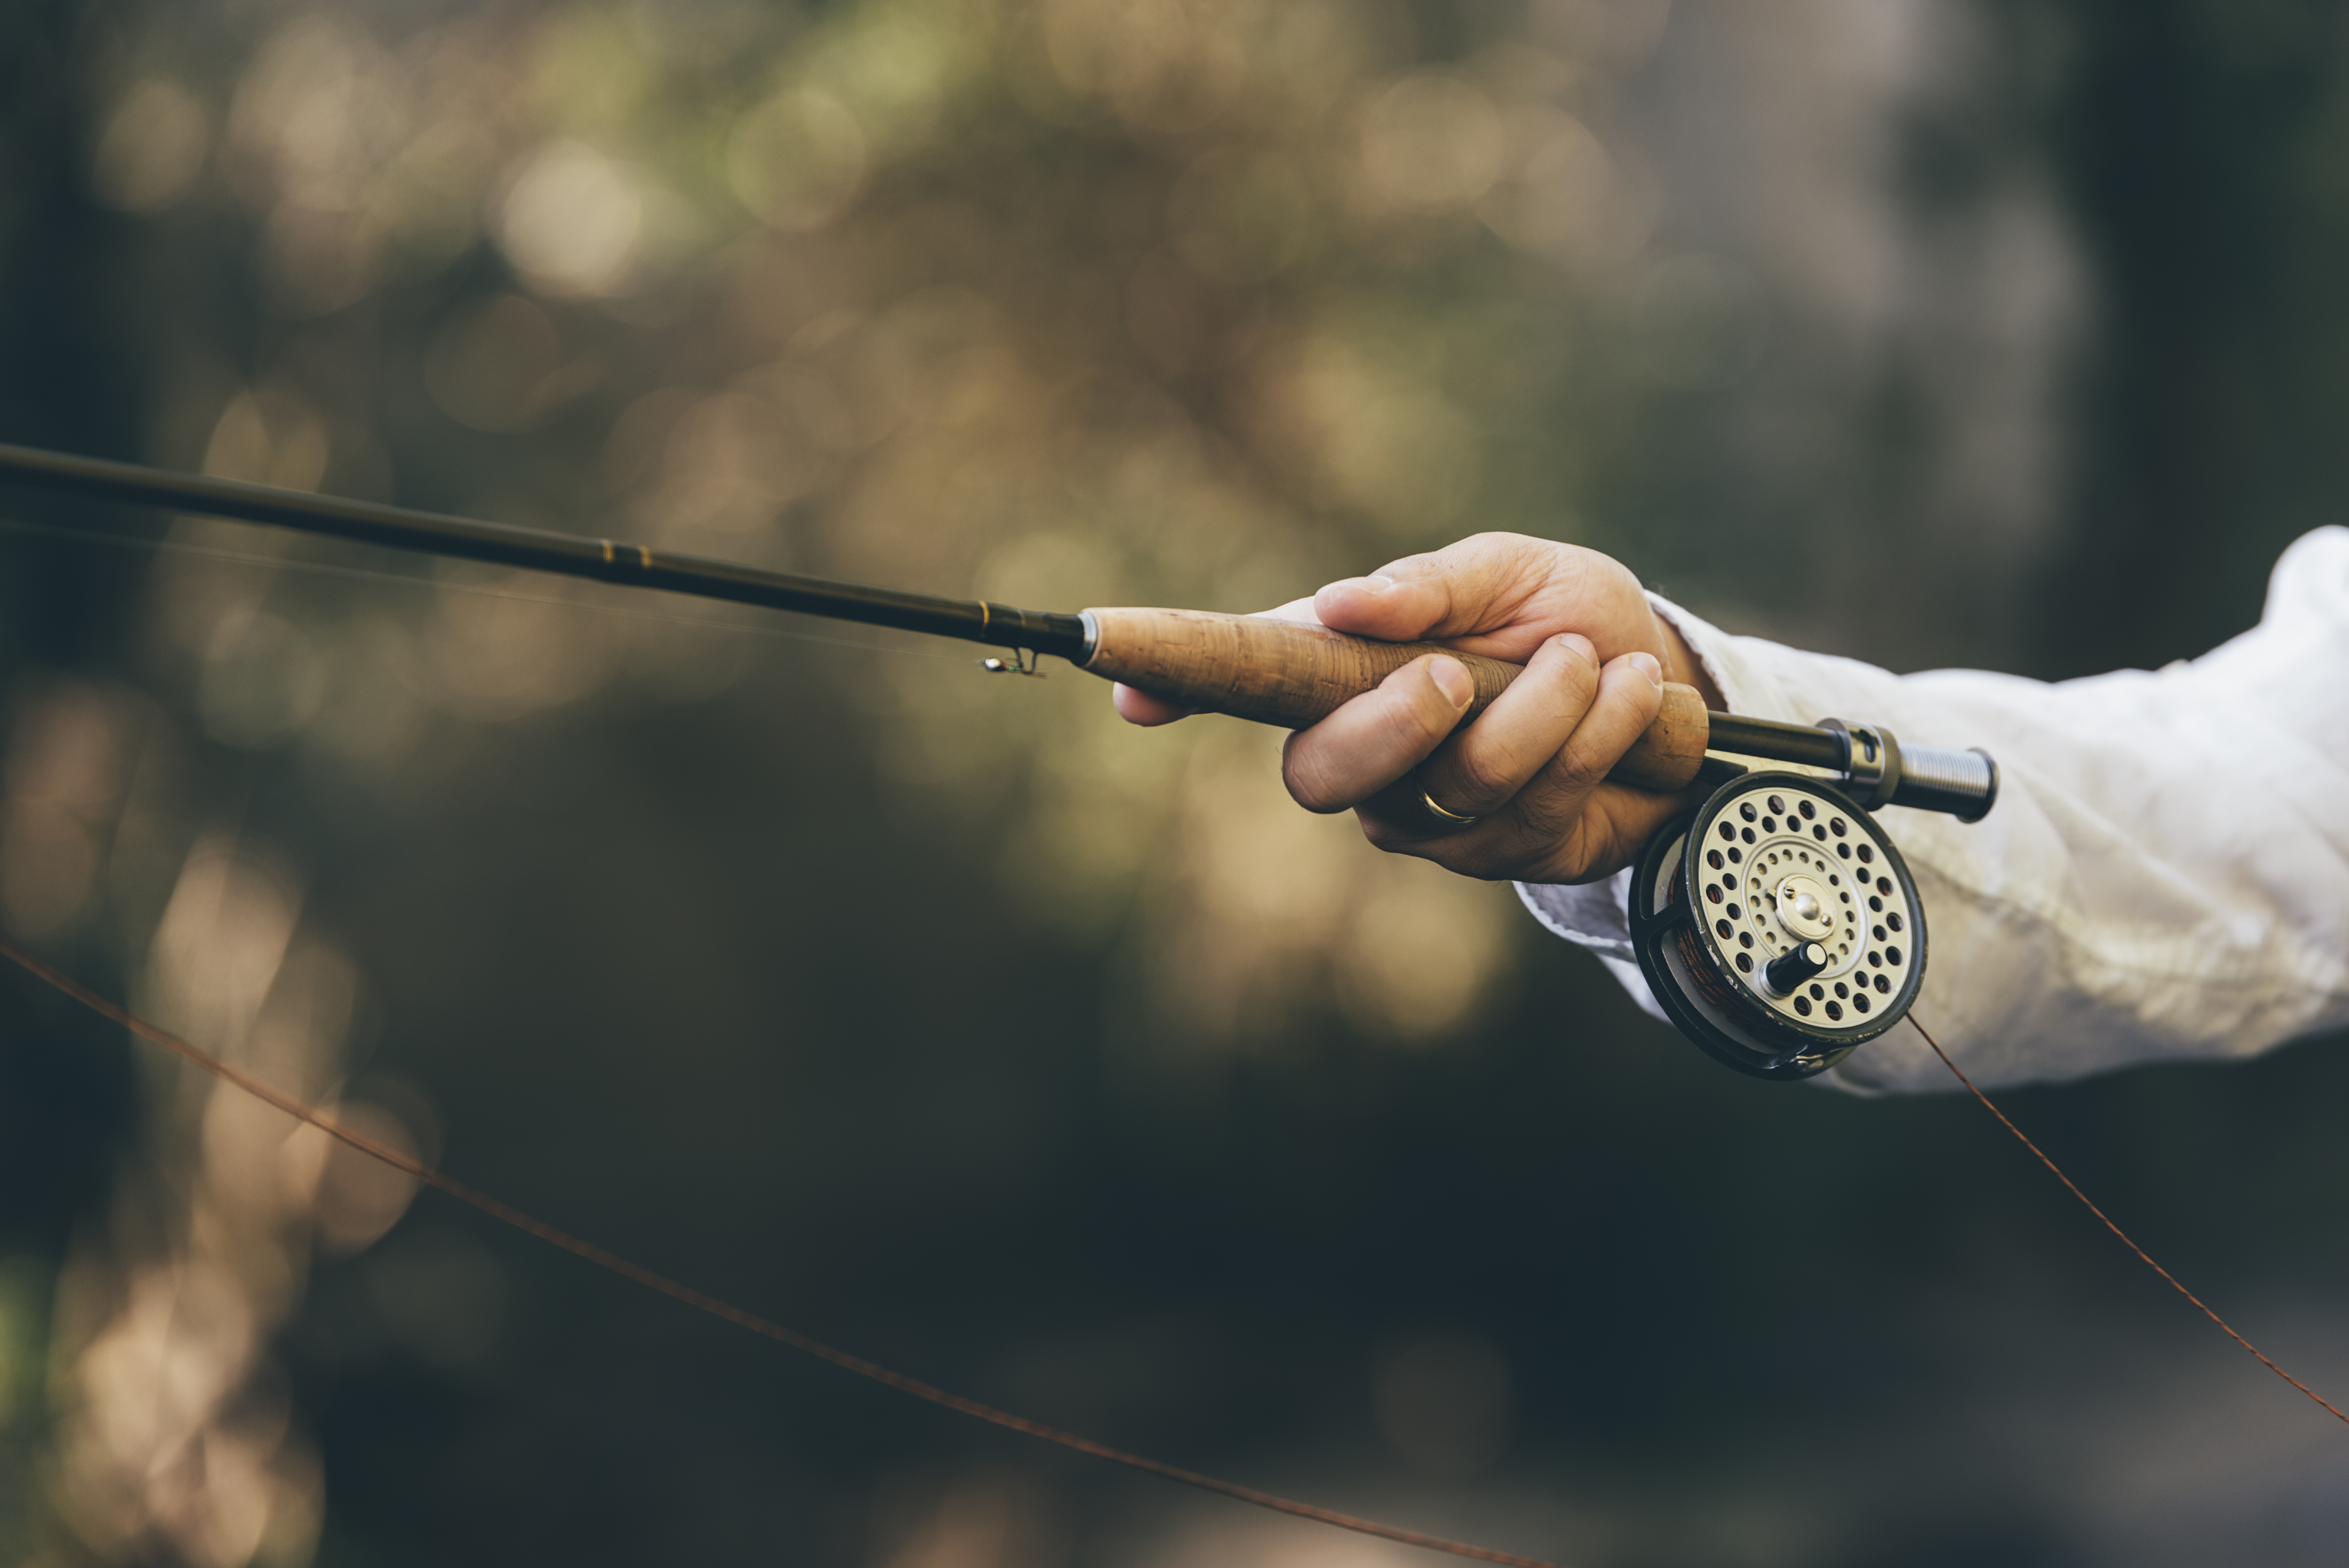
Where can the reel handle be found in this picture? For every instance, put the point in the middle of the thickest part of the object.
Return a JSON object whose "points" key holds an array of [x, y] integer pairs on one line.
{"points": [[1292, 674]]}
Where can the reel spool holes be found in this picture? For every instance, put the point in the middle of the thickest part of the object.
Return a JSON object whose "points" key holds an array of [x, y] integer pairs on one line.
{"points": [[1778, 927]]}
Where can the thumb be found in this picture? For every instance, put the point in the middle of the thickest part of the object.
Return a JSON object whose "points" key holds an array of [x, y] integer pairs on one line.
{"points": [[1387, 605], [1481, 584]]}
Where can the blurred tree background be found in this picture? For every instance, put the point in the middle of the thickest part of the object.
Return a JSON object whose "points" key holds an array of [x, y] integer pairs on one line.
{"points": [[948, 1019]]}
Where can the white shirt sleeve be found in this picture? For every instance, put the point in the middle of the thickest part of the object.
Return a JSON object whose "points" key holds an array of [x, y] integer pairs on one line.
{"points": [[2165, 873]]}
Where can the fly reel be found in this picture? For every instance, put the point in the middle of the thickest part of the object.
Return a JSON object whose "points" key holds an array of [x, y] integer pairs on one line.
{"points": [[1779, 927]]}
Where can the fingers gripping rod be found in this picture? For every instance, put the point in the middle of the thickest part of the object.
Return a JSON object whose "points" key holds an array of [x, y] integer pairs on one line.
{"points": [[1283, 673]]}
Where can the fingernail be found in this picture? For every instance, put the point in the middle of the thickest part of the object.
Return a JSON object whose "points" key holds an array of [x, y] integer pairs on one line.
{"points": [[1579, 645], [1647, 665], [1452, 679]]}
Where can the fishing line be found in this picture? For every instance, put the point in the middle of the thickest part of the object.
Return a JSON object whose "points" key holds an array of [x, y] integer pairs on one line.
{"points": [[736, 1316], [728, 1313], [409, 580], [2147, 1258]]}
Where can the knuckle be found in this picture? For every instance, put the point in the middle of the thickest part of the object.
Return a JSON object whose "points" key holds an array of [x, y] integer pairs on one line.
{"points": [[1473, 783], [1551, 812], [1576, 768]]}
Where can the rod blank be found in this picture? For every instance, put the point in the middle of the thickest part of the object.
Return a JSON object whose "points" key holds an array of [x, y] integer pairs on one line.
{"points": [[543, 550]]}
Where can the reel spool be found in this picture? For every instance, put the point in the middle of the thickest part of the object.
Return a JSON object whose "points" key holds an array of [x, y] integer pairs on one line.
{"points": [[1778, 927]]}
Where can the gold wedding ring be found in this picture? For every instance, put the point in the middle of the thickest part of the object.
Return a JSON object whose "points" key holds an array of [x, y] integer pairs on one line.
{"points": [[1449, 821]]}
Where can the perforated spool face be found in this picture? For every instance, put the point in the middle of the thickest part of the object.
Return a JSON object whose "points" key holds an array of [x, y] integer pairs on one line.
{"points": [[1776, 862]]}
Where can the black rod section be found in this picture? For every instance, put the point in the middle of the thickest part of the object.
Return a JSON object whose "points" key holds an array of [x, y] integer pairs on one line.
{"points": [[543, 550], [1796, 743]]}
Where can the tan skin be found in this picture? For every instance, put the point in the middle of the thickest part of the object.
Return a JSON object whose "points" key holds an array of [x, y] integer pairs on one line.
{"points": [[1532, 767]]}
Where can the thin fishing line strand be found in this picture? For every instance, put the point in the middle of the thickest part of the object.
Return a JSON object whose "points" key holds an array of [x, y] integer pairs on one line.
{"points": [[593, 1253], [403, 579], [2143, 1255]]}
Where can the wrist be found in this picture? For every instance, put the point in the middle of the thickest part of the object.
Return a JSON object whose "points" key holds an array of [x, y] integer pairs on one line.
{"points": [[1681, 665]]}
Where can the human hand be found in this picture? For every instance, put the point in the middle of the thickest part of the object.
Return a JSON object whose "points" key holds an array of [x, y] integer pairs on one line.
{"points": [[1531, 769]]}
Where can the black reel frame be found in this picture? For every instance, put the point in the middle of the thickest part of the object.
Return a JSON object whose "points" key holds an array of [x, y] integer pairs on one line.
{"points": [[1696, 978]]}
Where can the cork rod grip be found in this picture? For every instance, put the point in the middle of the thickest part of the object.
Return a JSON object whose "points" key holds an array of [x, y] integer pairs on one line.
{"points": [[1291, 673]]}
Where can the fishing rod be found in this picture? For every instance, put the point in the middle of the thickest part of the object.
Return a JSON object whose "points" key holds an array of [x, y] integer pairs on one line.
{"points": [[1811, 940]]}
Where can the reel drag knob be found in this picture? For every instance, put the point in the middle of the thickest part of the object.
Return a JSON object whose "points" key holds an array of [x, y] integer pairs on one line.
{"points": [[1778, 927]]}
